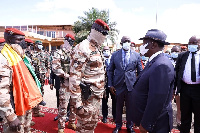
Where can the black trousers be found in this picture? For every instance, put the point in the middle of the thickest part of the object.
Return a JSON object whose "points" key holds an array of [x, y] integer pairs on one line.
{"points": [[190, 103], [105, 104]]}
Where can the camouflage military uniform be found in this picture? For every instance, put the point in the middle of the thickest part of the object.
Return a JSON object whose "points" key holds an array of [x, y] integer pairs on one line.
{"points": [[87, 66], [41, 64], [6, 109], [40, 61], [60, 66]]}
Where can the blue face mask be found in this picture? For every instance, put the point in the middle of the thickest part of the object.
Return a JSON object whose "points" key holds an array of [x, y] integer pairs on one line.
{"points": [[192, 48], [174, 55]]}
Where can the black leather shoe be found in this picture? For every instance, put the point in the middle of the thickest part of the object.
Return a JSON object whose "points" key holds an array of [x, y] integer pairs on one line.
{"points": [[67, 119], [104, 120], [42, 103], [130, 130], [116, 130], [56, 118]]}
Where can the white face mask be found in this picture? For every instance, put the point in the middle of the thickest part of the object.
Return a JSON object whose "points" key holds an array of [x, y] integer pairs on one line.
{"points": [[40, 47], [106, 53], [98, 37], [143, 49], [126, 46], [192, 48], [174, 55]]}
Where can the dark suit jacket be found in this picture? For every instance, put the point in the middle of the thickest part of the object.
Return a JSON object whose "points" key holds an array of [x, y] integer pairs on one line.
{"points": [[152, 94], [55, 80], [117, 75], [179, 68]]}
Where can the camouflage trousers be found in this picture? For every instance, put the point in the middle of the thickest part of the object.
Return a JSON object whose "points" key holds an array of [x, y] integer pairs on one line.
{"points": [[25, 120], [87, 121], [36, 109], [41, 77], [64, 99]]}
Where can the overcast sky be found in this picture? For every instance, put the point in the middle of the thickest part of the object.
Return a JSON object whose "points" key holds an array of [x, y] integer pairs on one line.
{"points": [[179, 19]]}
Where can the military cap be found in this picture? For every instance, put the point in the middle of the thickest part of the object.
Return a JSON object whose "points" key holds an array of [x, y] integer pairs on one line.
{"points": [[2, 40], [100, 26], [13, 31], [71, 36], [102, 23], [183, 47], [28, 40], [156, 35], [38, 42], [132, 44]]}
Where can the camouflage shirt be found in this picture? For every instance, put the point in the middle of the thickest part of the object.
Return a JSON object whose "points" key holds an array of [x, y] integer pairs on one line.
{"points": [[61, 65], [6, 109], [40, 61], [86, 66]]}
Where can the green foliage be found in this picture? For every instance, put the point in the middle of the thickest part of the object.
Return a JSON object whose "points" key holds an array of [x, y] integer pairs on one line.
{"points": [[83, 26]]}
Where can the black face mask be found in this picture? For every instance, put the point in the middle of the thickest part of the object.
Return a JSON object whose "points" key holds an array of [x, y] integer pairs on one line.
{"points": [[31, 47], [71, 42], [23, 44]]}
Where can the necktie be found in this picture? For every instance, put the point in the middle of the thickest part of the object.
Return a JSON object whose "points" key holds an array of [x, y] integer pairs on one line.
{"points": [[126, 59], [193, 69]]}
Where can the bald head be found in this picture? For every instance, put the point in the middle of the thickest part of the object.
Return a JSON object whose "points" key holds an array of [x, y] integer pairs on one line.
{"points": [[194, 40]]}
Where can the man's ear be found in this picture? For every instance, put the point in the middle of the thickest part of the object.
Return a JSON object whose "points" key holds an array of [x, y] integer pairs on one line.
{"points": [[154, 45]]}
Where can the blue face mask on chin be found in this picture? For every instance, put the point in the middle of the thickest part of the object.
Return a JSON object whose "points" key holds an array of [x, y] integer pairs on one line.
{"points": [[174, 55], [192, 48]]}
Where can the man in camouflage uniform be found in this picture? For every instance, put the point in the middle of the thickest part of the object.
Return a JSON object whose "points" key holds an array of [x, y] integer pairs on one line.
{"points": [[29, 49], [87, 69], [41, 65], [60, 67], [12, 122]]}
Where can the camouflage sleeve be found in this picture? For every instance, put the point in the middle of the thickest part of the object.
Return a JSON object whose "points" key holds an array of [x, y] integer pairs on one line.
{"points": [[5, 82], [77, 67], [56, 65]]}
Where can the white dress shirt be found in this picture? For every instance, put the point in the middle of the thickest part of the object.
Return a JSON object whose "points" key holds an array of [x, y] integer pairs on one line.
{"points": [[154, 55], [187, 71]]}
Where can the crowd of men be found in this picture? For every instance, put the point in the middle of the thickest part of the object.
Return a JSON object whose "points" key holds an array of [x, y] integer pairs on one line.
{"points": [[85, 75]]}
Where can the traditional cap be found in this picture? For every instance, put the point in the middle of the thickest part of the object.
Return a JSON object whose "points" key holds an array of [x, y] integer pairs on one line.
{"points": [[38, 42], [100, 26], [14, 31], [156, 35], [71, 36], [106, 48], [28, 40], [2, 40], [125, 38]]}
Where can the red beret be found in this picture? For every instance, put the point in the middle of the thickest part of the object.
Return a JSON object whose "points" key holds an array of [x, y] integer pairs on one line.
{"points": [[28, 40], [183, 47], [69, 35], [102, 23], [2, 40], [14, 31]]}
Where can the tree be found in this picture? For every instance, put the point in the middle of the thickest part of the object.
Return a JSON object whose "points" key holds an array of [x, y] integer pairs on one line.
{"points": [[83, 26]]}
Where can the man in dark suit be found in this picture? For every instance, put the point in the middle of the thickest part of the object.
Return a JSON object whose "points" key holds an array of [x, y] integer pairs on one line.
{"points": [[153, 89], [107, 56], [188, 85], [121, 77]]}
